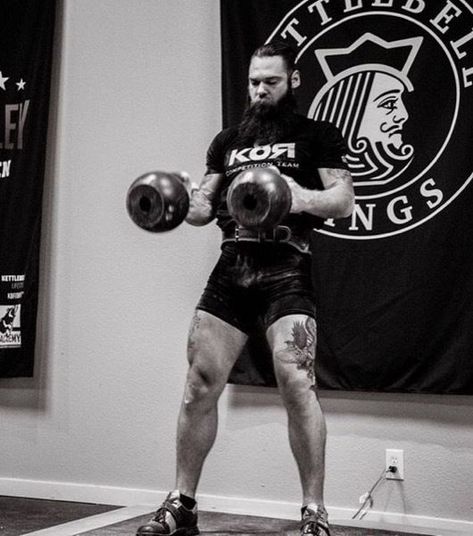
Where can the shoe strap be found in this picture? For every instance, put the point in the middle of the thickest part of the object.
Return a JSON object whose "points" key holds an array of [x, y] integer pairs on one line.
{"points": [[168, 514], [314, 528], [172, 513], [314, 521]]}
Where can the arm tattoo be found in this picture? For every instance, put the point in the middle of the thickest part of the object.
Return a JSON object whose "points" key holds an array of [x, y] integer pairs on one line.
{"points": [[203, 200], [300, 349], [200, 202], [339, 175]]}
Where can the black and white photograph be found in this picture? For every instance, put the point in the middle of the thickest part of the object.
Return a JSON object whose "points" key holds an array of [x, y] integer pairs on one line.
{"points": [[236, 267]]}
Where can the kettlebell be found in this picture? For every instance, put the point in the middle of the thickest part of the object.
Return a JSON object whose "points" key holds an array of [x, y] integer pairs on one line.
{"points": [[158, 201], [259, 198]]}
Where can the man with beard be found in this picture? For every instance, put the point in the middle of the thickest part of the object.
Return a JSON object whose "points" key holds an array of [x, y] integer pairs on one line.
{"points": [[261, 277]]}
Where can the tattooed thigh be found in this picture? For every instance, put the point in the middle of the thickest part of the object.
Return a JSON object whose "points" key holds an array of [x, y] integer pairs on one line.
{"points": [[298, 347], [193, 330]]}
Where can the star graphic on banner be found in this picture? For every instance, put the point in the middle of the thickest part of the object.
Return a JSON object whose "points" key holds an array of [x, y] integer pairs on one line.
{"points": [[21, 84], [3, 79]]}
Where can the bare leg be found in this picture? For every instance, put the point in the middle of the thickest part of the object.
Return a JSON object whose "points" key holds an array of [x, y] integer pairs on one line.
{"points": [[213, 348], [292, 340]]}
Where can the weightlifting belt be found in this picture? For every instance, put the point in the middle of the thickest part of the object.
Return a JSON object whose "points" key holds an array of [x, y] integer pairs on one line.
{"points": [[281, 234]]}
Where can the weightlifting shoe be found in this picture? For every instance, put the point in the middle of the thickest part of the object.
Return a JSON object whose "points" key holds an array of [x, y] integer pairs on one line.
{"points": [[172, 518], [314, 521]]}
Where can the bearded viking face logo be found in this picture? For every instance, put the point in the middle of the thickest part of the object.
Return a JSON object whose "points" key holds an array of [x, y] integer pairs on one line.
{"points": [[365, 99]]}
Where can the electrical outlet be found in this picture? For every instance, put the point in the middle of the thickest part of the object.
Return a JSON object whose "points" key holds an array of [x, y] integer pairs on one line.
{"points": [[395, 458]]}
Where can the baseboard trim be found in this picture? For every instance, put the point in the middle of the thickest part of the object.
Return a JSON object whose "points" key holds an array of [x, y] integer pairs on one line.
{"points": [[119, 496]]}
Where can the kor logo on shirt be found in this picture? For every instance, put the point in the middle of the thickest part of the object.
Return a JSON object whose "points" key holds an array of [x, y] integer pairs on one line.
{"points": [[263, 152]]}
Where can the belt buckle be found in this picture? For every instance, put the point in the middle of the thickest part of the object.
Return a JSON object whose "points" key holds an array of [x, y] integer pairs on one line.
{"points": [[237, 233], [286, 229]]}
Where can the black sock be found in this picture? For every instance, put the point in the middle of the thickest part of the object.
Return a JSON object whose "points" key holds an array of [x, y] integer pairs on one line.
{"points": [[188, 502]]}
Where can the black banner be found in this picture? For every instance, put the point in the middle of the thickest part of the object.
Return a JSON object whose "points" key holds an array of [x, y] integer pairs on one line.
{"points": [[394, 281], [26, 41]]}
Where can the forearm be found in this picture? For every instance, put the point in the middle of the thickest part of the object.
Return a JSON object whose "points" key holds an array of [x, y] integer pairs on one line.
{"points": [[203, 200], [201, 209], [337, 200]]}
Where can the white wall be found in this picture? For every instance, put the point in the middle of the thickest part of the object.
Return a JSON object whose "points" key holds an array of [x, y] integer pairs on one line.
{"points": [[137, 88]]}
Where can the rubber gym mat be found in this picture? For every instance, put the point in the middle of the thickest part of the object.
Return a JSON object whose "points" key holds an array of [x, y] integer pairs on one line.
{"points": [[218, 524]]}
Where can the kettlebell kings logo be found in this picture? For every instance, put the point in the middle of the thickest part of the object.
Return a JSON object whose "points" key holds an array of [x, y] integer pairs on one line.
{"points": [[396, 77]]}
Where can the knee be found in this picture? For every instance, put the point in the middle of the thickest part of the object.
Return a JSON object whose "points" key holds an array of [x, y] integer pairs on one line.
{"points": [[202, 387], [297, 393]]}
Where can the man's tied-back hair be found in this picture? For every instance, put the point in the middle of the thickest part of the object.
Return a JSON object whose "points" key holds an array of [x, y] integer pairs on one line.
{"points": [[278, 48]]}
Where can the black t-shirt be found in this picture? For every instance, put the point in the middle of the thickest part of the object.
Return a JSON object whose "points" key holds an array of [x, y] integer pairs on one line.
{"points": [[311, 145]]}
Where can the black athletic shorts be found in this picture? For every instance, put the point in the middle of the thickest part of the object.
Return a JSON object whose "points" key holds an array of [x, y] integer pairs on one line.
{"points": [[259, 281]]}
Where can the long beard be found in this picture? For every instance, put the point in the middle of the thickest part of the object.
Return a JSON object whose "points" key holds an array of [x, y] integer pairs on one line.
{"points": [[264, 123]]}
